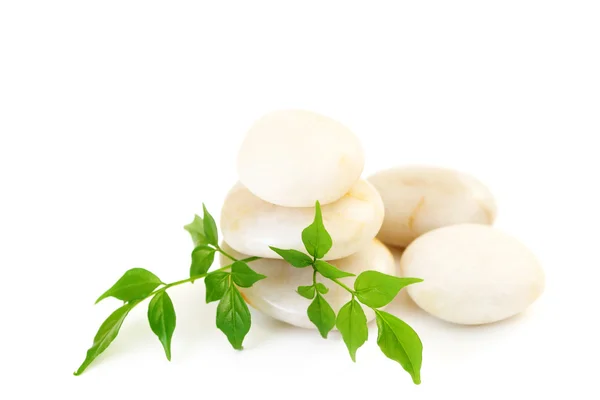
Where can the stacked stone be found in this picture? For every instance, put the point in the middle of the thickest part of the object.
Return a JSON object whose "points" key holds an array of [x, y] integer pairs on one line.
{"points": [[287, 162], [472, 272]]}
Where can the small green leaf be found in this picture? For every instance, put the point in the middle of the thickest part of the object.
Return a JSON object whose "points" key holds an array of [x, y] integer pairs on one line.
{"points": [[217, 284], [196, 230], [162, 319], [233, 317], [375, 289], [307, 292], [294, 257], [210, 228], [243, 275], [322, 288], [106, 334], [322, 315], [329, 271], [352, 324], [136, 283], [315, 237], [399, 342], [202, 258]]}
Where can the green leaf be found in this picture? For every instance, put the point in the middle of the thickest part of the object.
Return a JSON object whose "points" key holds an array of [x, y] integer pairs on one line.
{"points": [[329, 271], [233, 317], [196, 230], [243, 275], [162, 319], [307, 292], [399, 342], [210, 228], [376, 289], [217, 284], [352, 324], [315, 237], [202, 258], [322, 288], [322, 315], [294, 257], [136, 283], [106, 334]]}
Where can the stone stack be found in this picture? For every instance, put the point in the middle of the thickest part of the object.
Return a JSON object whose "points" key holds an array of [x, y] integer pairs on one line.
{"points": [[288, 161], [473, 274]]}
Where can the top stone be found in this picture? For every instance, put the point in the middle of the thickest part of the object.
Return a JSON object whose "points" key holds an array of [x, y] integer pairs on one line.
{"points": [[293, 158]]}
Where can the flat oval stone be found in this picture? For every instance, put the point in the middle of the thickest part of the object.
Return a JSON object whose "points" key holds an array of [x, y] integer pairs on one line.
{"points": [[250, 225], [473, 274], [420, 199], [276, 295], [293, 158]]}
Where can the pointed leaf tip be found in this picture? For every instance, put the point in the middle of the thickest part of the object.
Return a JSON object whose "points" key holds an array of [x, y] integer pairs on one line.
{"points": [[210, 228], [162, 320], [196, 231], [399, 342], [315, 237]]}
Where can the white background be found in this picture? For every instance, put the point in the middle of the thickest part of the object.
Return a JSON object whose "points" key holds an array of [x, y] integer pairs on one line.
{"points": [[119, 118]]}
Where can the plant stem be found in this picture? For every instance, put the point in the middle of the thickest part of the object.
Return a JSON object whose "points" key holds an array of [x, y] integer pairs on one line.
{"points": [[220, 250], [193, 278], [352, 292], [344, 286]]}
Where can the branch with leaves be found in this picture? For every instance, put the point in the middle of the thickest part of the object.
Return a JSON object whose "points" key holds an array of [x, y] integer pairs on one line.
{"points": [[396, 339], [138, 284]]}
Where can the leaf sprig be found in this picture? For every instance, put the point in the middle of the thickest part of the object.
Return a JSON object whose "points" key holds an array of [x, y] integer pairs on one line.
{"points": [[138, 284], [396, 339]]}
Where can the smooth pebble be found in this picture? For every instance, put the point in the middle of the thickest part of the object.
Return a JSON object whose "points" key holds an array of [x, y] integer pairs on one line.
{"points": [[276, 295], [420, 199], [250, 225], [293, 158], [473, 274]]}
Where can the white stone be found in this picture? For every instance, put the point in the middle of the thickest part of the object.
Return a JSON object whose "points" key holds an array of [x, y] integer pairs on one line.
{"points": [[293, 158], [420, 199], [473, 274], [276, 295], [250, 225]]}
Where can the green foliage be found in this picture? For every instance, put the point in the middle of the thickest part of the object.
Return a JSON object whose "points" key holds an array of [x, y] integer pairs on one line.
{"points": [[315, 237], [233, 317], [162, 319], [243, 275], [210, 228], [106, 334], [396, 339], [307, 291], [322, 315], [322, 288], [352, 324], [399, 342], [294, 257], [135, 284], [329, 271], [203, 257], [376, 289], [216, 284], [196, 231]]}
